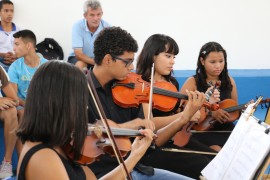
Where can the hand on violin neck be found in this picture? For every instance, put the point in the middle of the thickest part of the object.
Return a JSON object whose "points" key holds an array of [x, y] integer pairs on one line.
{"points": [[195, 99], [142, 143], [194, 103], [213, 95]]}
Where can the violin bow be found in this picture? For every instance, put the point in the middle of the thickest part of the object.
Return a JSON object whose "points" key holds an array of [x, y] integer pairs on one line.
{"points": [[151, 93], [151, 100], [189, 151], [103, 117]]}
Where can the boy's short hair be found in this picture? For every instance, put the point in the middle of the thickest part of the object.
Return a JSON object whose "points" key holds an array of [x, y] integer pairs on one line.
{"points": [[27, 36], [5, 2], [114, 41]]}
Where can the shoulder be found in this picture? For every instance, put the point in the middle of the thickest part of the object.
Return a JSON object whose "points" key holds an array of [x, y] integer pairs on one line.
{"points": [[43, 60], [17, 28], [232, 80], [190, 81], [189, 84], [79, 23], [50, 168], [105, 23], [18, 62]]}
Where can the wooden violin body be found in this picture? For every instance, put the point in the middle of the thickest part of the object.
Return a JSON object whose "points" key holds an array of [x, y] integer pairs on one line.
{"points": [[206, 122], [229, 105], [134, 90], [97, 143], [182, 137]]}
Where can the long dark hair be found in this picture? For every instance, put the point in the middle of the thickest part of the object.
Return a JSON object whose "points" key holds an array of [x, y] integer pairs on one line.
{"points": [[153, 46], [201, 76], [56, 106]]}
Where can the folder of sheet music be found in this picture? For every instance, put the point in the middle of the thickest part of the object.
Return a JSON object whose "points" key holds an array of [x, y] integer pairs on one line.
{"points": [[244, 151]]}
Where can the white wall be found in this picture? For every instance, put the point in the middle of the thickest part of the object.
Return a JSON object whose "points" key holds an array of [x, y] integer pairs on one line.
{"points": [[241, 26]]}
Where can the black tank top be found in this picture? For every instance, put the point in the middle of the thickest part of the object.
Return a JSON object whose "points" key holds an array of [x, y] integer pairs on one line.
{"points": [[74, 171]]}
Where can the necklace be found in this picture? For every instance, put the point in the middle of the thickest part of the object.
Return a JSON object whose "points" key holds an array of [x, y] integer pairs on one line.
{"points": [[30, 74]]}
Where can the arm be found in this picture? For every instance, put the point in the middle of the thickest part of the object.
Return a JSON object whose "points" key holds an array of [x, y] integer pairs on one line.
{"points": [[6, 103], [50, 168], [83, 57], [234, 94], [14, 80], [221, 115], [10, 92], [196, 99], [77, 43], [2, 55], [160, 122], [190, 84], [138, 123], [15, 88], [11, 100], [9, 57], [154, 124]]}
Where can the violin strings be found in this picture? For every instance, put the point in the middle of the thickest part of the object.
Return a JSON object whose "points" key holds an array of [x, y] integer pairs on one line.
{"points": [[169, 93]]}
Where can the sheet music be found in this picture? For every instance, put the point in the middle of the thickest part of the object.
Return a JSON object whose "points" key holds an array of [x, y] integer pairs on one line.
{"points": [[243, 152]]}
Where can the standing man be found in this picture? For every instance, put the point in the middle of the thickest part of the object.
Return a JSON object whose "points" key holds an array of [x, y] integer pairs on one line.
{"points": [[7, 29], [84, 33]]}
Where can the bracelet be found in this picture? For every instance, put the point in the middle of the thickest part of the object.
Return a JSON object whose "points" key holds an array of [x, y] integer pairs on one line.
{"points": [[16, 101]]}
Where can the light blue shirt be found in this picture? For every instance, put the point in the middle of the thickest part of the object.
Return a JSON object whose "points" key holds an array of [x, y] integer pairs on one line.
{"points": [[83, 38], [21, 74]]}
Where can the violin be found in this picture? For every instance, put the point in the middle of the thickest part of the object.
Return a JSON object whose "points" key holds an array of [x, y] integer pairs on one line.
{"points": [[182, 137], [229, 105], [97, 143], [134, 90]]}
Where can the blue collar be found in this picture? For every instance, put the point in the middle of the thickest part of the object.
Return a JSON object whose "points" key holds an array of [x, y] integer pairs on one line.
{"points": [[13, 27]]}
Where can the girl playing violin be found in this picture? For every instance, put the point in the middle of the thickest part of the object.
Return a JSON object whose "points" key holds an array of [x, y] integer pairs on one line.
{"points": [[55, 111], [162, 50], [212, 67]]}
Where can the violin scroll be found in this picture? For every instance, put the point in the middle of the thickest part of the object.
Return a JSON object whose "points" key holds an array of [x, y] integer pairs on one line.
{"points": [[211, 107]]}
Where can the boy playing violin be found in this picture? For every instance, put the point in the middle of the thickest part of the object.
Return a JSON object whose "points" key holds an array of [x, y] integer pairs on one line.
{"points": [[114, 51]]}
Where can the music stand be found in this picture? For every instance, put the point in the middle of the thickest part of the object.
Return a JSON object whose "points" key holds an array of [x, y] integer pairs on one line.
{"points": [[267, 116]]}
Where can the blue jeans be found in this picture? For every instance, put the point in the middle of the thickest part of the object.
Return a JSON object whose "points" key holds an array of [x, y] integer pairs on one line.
{"points": [[5, 66], [160, 174], [73, 60]]}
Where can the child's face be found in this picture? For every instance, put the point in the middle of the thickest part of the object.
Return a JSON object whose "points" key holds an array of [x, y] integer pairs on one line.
{"points": [[6, 13]]}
